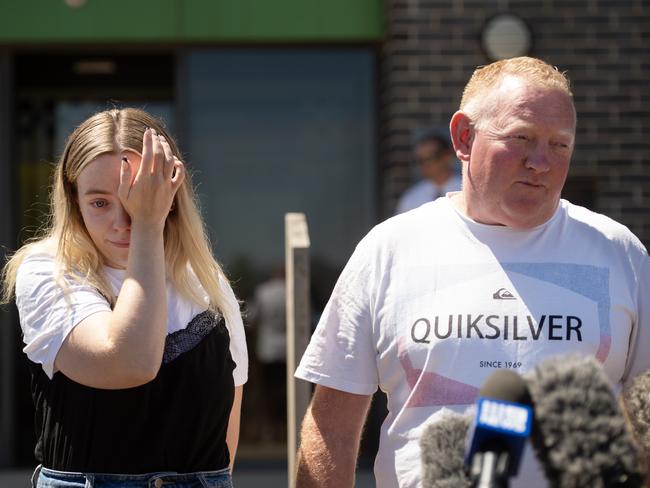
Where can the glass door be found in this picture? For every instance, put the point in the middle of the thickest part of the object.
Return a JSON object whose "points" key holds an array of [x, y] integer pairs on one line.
{"points": [[54, 92]]}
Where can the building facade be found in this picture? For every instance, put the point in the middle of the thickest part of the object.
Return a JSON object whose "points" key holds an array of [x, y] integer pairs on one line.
{"points": [[297, 106]]}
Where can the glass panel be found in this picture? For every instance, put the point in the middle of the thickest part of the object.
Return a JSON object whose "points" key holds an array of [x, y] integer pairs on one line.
{"points": [[279, 131], [69, 114]]}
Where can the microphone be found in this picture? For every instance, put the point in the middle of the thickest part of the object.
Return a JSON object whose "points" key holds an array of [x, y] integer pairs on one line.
{"points": [[503, 423], [636, 408], [442, 447], [579, 434]]}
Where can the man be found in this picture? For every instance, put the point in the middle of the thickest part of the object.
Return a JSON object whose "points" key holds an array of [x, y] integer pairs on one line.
{"points": [[435, 159], [502, 274]]}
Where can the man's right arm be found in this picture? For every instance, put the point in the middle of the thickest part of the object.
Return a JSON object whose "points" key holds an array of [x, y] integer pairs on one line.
{"points": [[331, 431]]}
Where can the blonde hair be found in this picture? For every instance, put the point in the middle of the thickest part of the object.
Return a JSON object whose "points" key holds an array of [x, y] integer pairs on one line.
{"points": [[478, 106], [187, 249]]}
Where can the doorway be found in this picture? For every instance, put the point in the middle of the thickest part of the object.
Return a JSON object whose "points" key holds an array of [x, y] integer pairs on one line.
{"points": [[53, 94]]}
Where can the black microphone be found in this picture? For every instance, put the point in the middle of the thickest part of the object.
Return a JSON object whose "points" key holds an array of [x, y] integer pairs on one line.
{"points": [[442, 448], [579, 433], [503, 423]]}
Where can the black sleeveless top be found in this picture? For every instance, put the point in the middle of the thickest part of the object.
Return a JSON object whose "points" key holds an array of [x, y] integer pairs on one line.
{"points": [[176, 422]]}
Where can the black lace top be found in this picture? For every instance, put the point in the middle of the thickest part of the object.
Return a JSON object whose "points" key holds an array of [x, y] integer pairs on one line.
{"points": [[177, 422]]}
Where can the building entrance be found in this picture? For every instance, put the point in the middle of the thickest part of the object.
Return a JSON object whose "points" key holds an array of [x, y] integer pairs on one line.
{"points": [[53, 93]]}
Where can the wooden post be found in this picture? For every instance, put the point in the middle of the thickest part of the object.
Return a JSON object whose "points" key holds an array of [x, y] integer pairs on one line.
{"points": [[298, 327]]}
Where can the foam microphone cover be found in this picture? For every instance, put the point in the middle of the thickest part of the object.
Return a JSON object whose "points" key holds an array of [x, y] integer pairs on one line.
{"points": [[636, 404], [442, 447], [579, 433]]}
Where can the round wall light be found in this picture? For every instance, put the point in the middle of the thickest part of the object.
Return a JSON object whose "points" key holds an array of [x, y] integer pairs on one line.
{"points": [[75, 3], [506, 36]]}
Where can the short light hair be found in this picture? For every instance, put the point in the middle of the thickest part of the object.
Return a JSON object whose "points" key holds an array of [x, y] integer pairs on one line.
{"points": [[488, 78]]}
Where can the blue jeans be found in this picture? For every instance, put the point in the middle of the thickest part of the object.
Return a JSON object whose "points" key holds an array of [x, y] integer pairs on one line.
{"points": [[48, 478]]}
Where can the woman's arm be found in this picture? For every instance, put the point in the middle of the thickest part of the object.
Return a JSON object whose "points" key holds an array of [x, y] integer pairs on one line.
{"points": [[124, 348], [232, 435]]}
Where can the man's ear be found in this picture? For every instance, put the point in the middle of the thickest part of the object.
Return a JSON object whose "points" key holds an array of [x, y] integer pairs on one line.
{"points": [[462, 135]]}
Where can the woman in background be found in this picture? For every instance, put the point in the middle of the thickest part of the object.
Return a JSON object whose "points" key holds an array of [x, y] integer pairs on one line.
{"points": [[134, 337]]}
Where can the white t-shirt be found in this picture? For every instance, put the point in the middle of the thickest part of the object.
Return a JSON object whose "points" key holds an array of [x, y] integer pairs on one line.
{"points": [[47, 315], [431, 303], [426, 191]]}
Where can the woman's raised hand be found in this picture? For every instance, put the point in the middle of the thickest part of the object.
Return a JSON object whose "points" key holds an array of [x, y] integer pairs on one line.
{"points": [[147, 197]]}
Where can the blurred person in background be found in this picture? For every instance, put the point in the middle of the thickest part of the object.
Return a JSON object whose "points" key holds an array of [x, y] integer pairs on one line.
{"points": [[134, 337], [435, 160], [268, 313]]}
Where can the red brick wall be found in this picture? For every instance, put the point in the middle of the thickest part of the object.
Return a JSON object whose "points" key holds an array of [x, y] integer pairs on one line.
{"points": [[433, 46]]}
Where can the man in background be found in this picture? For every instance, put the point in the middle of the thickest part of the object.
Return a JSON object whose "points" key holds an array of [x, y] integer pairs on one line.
{"points": [[435, 159]]}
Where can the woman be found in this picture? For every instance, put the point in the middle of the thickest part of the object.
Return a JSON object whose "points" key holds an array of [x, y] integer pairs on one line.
{"points": [[133, 334]]}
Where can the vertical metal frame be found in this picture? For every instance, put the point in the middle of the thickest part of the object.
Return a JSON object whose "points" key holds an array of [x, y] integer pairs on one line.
{"points": [[7, 244]]}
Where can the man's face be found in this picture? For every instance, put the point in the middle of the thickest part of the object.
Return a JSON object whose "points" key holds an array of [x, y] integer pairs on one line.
{"points": [[519, 158], [433, 159]]}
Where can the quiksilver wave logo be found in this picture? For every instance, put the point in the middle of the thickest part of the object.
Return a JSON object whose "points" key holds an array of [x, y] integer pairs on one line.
{"points": [[503, 294]]}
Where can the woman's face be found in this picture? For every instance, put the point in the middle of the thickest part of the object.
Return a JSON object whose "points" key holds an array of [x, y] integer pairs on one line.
{"points": [[104, 216]]}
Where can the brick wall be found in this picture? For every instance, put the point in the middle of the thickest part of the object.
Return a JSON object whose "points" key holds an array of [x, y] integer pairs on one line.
{"points": [[433, 46]]}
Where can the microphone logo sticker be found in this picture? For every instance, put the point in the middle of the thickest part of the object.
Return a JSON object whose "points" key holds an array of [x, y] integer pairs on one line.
{"points": [[509, 417], [503, 294]]}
